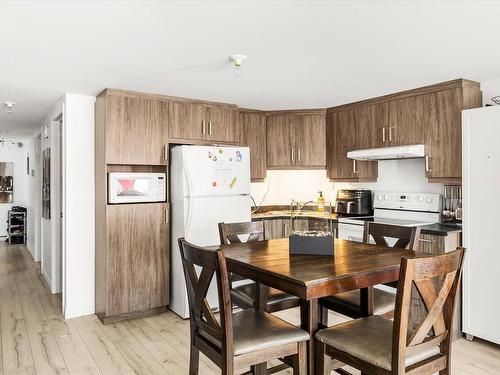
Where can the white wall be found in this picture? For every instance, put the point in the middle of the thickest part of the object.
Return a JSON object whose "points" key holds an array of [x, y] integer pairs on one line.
{"points": [[303, 185], [490, 89], [77, 204], [22, 194], [79, 236]]}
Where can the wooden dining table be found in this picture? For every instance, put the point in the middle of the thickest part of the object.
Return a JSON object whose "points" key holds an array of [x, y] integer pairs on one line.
{"points": [[353, 266]]}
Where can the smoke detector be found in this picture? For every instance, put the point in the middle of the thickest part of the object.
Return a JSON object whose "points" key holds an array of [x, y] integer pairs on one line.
{"points": [[237, 61], [9, 106]]}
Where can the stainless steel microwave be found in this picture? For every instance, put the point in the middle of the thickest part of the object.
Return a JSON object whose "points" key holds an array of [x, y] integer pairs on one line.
{"points": [[136, 187]]}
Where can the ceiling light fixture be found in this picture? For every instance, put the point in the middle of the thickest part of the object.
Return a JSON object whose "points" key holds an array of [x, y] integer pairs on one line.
{"points": [[9, 106], [238, 60]]}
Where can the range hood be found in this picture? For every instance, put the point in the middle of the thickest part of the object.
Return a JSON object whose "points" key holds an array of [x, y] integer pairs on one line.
{"points": [[387, 153]]}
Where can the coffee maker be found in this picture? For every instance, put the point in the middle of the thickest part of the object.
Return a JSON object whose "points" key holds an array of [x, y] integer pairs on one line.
{"points": [[354, 202]]}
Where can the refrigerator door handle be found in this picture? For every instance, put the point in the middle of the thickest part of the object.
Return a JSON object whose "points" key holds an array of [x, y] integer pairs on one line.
{"points": [[189, 216]]}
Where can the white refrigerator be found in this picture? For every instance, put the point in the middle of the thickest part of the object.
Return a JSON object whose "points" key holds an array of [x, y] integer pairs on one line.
{"points": [[481, 207], [208, 185]]}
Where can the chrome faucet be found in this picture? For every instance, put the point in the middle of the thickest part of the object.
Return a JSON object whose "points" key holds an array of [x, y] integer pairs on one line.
{"points": [[297, 205]]}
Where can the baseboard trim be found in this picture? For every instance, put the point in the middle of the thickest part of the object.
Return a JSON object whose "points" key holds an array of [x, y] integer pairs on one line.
{"points": [[132, 315]]}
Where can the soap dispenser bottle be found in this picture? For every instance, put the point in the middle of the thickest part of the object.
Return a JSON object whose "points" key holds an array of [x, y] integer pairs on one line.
{"points": [[321, 202]]}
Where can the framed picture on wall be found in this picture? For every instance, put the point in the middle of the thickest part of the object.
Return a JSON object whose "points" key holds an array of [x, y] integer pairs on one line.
{"points": [[46, 183], [6, 182]]}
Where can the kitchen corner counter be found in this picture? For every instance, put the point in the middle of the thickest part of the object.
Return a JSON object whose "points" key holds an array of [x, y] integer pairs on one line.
{"points": [[285, 214], [439, 229]]}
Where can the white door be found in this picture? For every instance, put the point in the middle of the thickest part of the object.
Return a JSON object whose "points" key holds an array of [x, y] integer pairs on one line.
{"points": [[481, 184]]}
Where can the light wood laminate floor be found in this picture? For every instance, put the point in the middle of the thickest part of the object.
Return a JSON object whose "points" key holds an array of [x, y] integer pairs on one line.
{"points": [[35, 338]]}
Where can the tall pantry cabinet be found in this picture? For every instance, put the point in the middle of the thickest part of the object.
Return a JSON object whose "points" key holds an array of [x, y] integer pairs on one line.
{"points": [[131, 258]]}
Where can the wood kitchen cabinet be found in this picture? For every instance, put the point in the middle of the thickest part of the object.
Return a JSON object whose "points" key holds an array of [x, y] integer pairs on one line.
{"points": [[132, 269], [342, 133], [202, 122], [276, 228], [280, 141], [253, 135], [296, 140], [440, 113], [428, 115], [135, 129]]}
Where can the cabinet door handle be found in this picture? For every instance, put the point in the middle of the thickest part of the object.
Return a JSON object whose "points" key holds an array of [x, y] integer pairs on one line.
{"points": [[354, 166], [425, 240], [293, 155], [203, 127], [210, 128], [166, 215], [165, 152], [427, 168], [298, 154], [383, 135], [390, 133]]}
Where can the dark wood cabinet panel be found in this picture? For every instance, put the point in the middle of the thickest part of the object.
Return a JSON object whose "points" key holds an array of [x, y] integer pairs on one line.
{"points": [[136, 130], [280, 141], [403, 128], [273, 229], [443, 133], [380, 118], [253, 130], [310, 140], [366, 128], [137, 258], [187, 121], [222, 124]]}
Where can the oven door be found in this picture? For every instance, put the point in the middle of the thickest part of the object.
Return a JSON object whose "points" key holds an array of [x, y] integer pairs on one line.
{"points": [[351, 232]]}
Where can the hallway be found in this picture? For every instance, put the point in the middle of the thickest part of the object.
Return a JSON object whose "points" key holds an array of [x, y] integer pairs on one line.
{"points": [[35, 339]]}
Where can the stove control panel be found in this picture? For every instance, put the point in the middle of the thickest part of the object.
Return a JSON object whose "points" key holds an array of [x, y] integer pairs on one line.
{"points": [[408, 201]]}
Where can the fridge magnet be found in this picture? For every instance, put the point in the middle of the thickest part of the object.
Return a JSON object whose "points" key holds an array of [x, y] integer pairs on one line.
{"points": [[233, 182], [238, 156], [210, 154]]}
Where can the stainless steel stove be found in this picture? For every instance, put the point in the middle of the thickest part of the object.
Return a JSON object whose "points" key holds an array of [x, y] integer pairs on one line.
{"points": [[407, 209]]}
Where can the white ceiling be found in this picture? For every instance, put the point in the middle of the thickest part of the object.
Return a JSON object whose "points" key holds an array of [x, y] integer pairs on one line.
{"points": [[301, 54]]}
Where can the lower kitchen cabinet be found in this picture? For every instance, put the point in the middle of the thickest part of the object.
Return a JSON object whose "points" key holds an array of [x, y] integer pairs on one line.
{"points": [[132, 263], [281, 228], [434, 245], [276, 228]]}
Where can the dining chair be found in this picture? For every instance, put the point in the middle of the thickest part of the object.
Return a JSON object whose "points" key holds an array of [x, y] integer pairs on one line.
{"points": [[244, 295], [358, 303], [376, 345], [249, 338]]}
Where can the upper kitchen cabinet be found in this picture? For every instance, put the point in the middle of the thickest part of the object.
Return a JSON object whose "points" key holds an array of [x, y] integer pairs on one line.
{"points": [[253, 135], [440, 113], [187, 121], [191, 121], [402, 126], [310, 140], [280, 142], [344, 131], [222, 124], [428, 115], [135, 128], [296, 140]]}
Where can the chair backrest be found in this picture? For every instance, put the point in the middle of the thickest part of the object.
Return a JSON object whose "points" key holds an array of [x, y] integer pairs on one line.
{"points": [[407, 237], [201, 316], [436, 278], [230, 233]]}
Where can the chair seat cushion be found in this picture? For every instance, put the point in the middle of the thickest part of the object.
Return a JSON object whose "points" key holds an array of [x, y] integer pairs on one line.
{"points": [[383, 301], [257, 330], [246, 294], [369, 339]]}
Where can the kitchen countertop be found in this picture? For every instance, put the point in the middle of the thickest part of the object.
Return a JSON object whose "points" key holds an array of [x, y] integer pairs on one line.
{"points": [[439, 229], [283, 212]]}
